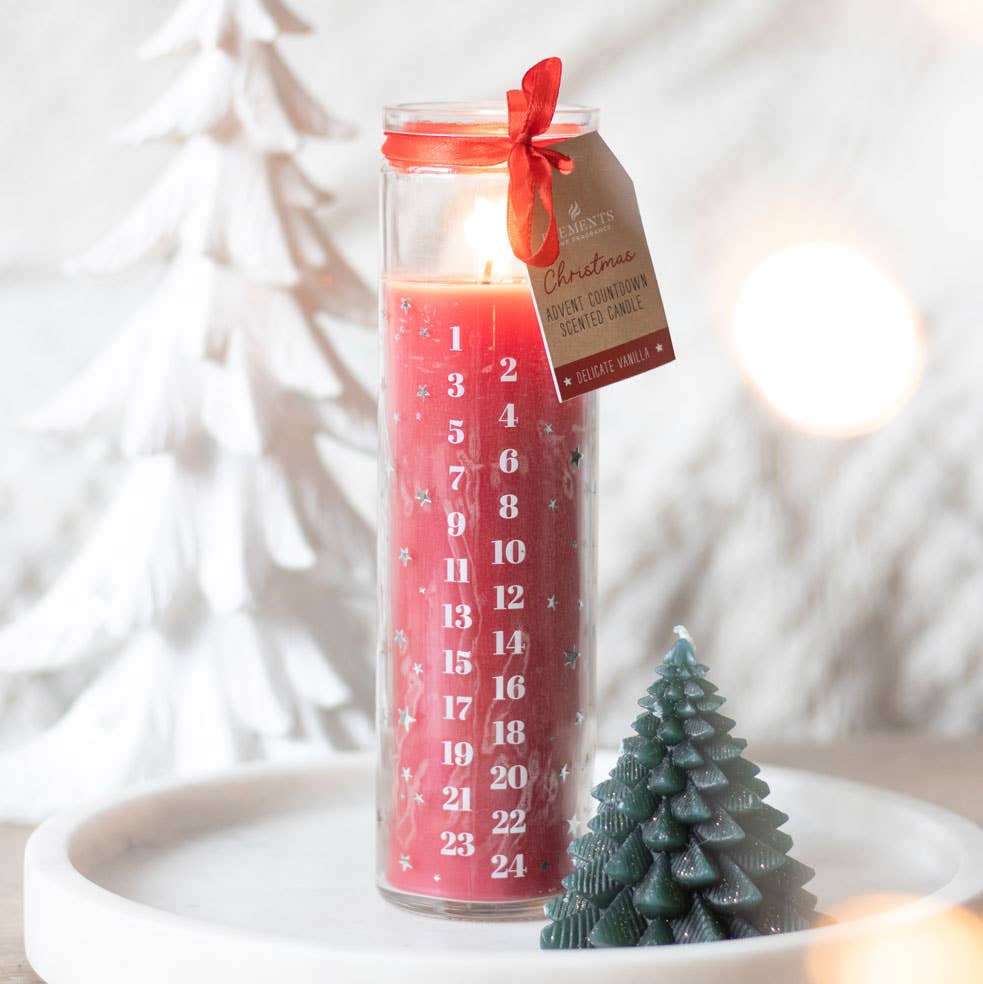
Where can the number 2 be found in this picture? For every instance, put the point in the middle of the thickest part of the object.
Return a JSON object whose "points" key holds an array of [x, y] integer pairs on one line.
{"points": [[509, 365]]}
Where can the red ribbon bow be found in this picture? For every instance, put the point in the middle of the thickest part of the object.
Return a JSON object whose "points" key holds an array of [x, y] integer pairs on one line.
{"points": [[530, 164], [531, 111]]}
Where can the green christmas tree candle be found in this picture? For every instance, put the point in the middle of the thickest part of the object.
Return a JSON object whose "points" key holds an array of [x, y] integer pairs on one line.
{"points": [[683, 848]]}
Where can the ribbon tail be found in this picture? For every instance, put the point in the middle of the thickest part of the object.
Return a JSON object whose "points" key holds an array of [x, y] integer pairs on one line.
{"points": [[531, 177]]}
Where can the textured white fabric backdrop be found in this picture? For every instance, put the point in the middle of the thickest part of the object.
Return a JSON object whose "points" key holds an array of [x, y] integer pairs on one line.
{"points": [[832, 584]]}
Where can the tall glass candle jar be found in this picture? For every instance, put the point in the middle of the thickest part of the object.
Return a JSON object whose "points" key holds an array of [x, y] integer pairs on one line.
{"points": [[486, 547]]}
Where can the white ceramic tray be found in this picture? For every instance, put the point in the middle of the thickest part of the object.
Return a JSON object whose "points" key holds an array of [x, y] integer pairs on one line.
{"points": [[265, 875]]}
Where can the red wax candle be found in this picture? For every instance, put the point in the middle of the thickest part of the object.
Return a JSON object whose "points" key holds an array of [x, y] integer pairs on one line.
{"points": [[487, 723]]}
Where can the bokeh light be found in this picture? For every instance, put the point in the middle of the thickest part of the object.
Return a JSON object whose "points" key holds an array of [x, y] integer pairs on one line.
{"points": [[945, 945], [828, 338], [961, 18]]}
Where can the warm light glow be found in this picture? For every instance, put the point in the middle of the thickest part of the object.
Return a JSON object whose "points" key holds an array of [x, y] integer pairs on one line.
{"points": [[960, 17], [828, 338], [944, 944], [487, 235]]}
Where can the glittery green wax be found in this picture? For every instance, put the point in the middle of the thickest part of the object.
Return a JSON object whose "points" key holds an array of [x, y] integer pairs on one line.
{"points": [[683, 848]]}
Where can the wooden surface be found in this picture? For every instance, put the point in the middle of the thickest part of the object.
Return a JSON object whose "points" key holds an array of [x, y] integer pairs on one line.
{"points": [[946, 771]]}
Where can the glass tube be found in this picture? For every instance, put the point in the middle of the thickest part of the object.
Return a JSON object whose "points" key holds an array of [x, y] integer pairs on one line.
{"points": [[487, 570]]}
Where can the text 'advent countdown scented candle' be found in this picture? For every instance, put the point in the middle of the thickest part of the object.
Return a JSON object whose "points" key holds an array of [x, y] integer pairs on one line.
{"points": [[487, 531]]}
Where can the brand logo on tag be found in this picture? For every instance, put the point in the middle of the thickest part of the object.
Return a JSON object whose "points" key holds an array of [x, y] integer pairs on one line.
{"points": [[582, 226]]}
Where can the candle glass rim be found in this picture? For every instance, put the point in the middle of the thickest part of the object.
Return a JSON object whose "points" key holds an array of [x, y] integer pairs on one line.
{"points": [[482, 117]]}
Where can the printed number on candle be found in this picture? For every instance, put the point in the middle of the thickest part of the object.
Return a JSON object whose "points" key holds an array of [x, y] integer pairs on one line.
{"points": [[456, 388], [516, 644], [514, 688], [458, 798], [461, 845], [457, 662], [516, 868], [456, 471], [456, 708], [457, 570], [508, 506], [455, 338], [509, 365], [508, 416], [508, 461], [509, 821], [457, 752], [509, 777], [510, 732], [511, 551], [455, 432], [456, 523], [457, 616], [509, 597]]}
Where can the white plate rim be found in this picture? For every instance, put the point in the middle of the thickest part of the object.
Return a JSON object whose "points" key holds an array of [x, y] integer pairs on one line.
{"points": [[49, 872]]}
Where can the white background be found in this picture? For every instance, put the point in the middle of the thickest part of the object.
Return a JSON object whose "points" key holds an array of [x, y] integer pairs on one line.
{"points": [[833, 585]]}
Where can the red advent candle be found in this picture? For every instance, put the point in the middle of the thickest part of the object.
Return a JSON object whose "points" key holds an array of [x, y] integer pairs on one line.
{"points": [[487, 568]]}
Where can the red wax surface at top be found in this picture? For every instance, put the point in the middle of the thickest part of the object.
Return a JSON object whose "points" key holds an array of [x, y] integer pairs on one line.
{"points": [[488, 620]]}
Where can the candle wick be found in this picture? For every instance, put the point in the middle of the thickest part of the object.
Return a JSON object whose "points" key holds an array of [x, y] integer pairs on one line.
{"points": [[487, 274]]}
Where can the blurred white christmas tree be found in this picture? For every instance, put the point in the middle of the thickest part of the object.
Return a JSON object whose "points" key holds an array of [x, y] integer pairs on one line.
{"points": [[222, 608]]}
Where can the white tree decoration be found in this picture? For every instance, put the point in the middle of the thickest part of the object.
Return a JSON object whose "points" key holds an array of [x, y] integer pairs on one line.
{"points": [[198, 618]]}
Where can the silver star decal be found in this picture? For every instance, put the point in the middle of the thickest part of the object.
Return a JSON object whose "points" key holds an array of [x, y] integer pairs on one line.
{"points": [[578, 718], [423, 496], [547, 428], [396, 418], [566, 382], [423, 590], [405, 718], [419, 416], [404, 861], [417, 668], [400, 638], [405, 303], [551, 601], [418, 799], [436, 878], [574, 825], [406, 775], [552, 504], [422, 391], [575, 457], [424, 332], [404, 555], [580, 602], [570, 656], [658, 348], [564, 772]]}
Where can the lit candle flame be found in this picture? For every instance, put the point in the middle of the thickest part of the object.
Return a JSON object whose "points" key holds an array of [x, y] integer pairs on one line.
{"points": [[487, 235]]}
